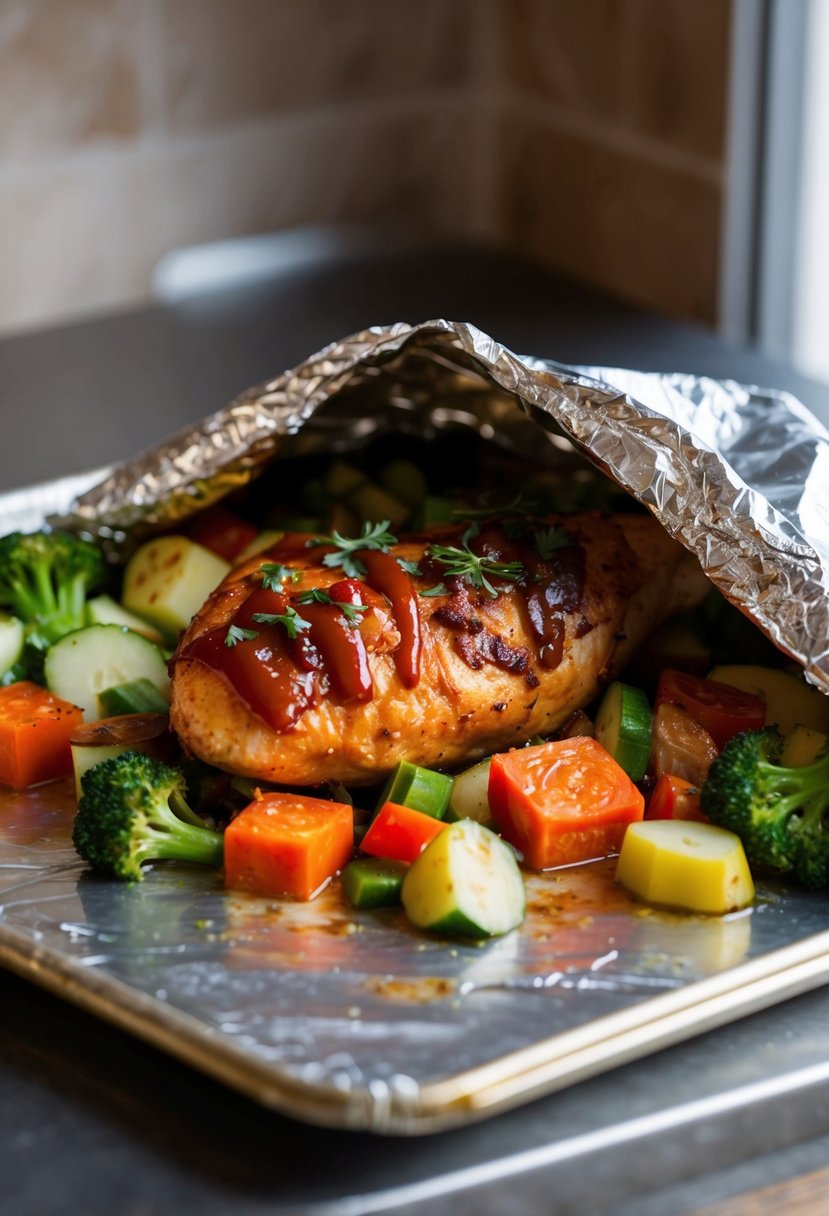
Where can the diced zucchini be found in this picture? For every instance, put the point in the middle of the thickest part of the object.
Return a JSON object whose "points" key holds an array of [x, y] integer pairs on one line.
{"points": [[82, 664], [466, 883], [470, 798], [104, 610], [167, 580], [11, 641], [406, 481], [789, 699], [623, 727], [679, 863], [139, 696], [803, 746], [422, 789], [97, 741], [373, 882]]}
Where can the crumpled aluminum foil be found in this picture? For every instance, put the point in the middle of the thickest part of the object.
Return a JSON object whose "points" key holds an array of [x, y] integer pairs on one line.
{"points": [[739, 475]]}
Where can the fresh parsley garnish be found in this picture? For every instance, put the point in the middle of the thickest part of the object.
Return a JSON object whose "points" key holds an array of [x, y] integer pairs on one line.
{"points": [[274, 574], [549, 540], [316, 595], [461, 562], [291, 620], [237, 634], [373, 536], [409, 567], [438, 589]]}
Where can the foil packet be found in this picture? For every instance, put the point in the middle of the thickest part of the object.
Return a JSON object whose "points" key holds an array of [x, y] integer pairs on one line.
{"points": [[737, 474]]}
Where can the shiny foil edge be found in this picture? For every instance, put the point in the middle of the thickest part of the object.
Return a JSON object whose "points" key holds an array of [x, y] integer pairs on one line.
{"points": [[760, 534]]}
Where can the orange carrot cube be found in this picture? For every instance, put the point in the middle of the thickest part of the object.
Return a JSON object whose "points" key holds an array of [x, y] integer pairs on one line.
{"points": [[288, 845]]}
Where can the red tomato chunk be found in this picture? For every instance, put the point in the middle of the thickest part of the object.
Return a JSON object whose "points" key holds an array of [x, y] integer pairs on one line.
{"points": [[719, 709]]}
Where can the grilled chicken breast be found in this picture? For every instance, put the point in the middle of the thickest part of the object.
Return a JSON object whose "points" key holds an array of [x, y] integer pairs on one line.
{"points": [[303, 667]]}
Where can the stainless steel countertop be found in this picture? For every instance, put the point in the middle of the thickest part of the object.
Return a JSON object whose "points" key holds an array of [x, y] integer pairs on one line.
{"points": [[92, 1120]]}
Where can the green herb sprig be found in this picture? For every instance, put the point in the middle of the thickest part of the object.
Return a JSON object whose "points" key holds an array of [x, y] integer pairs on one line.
{"points": [[461, 562], [274, 574], [236, 634], [549, 540], [316, 595], [290, 619], [373, 536]]}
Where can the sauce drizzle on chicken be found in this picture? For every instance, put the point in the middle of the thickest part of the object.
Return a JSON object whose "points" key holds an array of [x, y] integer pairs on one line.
{"points": [[280, 673]]}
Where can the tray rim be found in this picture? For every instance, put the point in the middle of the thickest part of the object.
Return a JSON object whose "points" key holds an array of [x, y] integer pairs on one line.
{"points": [[537, 1070]]}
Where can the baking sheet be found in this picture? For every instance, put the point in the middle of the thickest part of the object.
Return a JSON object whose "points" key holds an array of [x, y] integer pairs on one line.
{"points": [[352, 1019]]}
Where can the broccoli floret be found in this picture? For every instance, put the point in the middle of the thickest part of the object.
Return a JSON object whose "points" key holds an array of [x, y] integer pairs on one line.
{"points": [[45, 578], [780, 814], [132, 809]]}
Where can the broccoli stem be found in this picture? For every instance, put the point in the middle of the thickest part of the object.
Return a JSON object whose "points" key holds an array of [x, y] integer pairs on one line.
{"points": [[166, 836]]}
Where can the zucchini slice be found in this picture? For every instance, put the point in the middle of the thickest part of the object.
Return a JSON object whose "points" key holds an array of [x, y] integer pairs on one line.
{"points": [[623, 727], [82, 664], [465, 883]]}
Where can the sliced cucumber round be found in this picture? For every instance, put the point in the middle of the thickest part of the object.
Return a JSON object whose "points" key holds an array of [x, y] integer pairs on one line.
{"points": [[623, 727], [465, 883], [84, 663]]}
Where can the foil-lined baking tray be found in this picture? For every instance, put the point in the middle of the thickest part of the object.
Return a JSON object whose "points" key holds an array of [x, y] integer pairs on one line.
{"points": [[351, 1019]]}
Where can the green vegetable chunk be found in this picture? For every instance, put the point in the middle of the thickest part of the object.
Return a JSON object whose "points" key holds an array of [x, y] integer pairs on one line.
{"points": [[133, 810], [139, 696], [779, 813], [373, 882], [465, 883], [623, 727], [422, 789], [470, 795], [45, 578], [83, 664]]}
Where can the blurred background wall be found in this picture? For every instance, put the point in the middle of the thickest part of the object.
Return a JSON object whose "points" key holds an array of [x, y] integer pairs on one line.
{"points": [[589, 134]]}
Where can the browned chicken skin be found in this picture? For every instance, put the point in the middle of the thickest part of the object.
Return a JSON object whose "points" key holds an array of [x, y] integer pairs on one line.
{"points": [[306, 695]]}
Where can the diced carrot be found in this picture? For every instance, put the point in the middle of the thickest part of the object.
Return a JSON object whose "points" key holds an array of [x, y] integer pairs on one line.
{"points": [[400, 833], [35, 727], [674, 798], [562, 802], [288, 845], [222, 532]]}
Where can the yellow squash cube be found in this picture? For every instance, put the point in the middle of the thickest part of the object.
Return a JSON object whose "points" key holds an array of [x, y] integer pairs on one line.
{"points": [[678, 863]]}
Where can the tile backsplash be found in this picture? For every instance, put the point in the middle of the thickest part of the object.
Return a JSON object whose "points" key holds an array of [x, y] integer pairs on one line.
{"points": [[589, 135]]}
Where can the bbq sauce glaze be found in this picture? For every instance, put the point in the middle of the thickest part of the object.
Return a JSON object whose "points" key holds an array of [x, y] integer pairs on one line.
{"points": [[284, 670]]}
